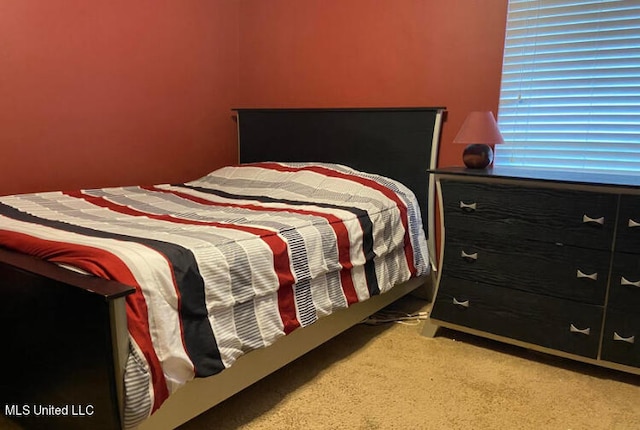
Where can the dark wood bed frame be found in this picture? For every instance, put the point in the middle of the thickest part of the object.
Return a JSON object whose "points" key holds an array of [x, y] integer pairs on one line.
{"points": [[64, 334]]}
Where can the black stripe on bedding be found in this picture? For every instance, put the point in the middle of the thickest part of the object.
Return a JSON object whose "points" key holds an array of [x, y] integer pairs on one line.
{"points": [[198, 334], [361, 215]]}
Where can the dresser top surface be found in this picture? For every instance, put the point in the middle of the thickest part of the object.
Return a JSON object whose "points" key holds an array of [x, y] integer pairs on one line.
{"points": [[568, 177]]}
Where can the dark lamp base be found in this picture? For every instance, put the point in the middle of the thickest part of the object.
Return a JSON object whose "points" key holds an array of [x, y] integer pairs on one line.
{"points": [[477, 156]]}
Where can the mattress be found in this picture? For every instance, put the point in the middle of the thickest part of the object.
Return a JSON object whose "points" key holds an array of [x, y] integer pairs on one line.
{"points": [[226, 263]]}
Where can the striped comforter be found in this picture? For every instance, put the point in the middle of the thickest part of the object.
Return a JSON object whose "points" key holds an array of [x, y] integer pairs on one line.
{"points": [[227, 263]]}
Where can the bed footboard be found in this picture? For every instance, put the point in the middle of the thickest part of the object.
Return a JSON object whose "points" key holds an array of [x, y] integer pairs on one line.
{"points": [[58, 345]]}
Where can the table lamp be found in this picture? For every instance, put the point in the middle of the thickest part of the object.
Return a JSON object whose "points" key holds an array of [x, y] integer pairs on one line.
{"points": [[478, 131]]}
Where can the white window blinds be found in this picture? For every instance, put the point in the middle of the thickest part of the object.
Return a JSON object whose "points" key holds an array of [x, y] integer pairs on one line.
{"points": [[570, 96]]}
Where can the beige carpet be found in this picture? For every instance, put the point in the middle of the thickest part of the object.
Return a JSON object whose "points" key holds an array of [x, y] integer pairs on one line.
{"points": [[390, 377]]}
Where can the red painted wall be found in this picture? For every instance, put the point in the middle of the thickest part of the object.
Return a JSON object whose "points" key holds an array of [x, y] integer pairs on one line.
{"points": [[113, 92], [296, 53], [110, 92]]}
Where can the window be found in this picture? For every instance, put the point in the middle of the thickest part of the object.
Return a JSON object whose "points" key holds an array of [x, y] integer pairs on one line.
{"points": [[570, 96]]}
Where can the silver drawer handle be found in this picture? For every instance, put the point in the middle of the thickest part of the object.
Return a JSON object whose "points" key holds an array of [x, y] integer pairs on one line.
{"points": [[574, 329], [630, 339], [464, 304], [592, 276], [469, 207], [466, 256], [625, 281], [586, 218], [633, 223]]}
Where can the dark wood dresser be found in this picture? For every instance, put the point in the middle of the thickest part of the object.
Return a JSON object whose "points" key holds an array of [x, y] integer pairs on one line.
{"points": [[544, 260]]}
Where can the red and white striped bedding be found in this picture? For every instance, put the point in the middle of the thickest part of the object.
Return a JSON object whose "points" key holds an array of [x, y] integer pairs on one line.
{"points": [[227, 263]]}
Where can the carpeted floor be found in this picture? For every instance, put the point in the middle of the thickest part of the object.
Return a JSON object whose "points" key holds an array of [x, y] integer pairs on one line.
{"points": [[391, 377]]}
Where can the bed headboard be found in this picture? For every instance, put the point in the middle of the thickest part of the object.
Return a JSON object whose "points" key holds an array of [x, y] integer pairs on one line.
{"points": [[401, 143]]}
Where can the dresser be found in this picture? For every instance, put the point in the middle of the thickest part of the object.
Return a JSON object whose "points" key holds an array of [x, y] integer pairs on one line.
{"points": [[545, 260]]}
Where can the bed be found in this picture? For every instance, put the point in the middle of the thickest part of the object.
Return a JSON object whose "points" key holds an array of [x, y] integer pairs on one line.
{"points": [[76, 351]]}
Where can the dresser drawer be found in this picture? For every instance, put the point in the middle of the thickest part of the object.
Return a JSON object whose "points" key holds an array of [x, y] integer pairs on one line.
{"points": [[579, 274], [624, 289], [628, 236], [546, 321], [621, 338], [571, 217]]}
